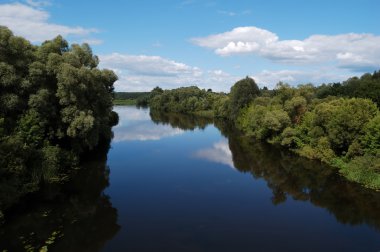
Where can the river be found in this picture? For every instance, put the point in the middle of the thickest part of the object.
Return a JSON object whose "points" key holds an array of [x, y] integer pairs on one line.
{"points": [[183, 183]]}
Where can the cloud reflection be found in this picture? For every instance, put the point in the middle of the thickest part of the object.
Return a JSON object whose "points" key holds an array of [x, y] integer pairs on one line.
{"points": [[136, 125], [218, 153]]}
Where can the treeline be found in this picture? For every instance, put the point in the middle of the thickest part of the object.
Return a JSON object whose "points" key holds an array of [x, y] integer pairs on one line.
{"points": [[131, 98], [55, 104], [188, 100], [130, 95], [341, 129], [367, 86]]}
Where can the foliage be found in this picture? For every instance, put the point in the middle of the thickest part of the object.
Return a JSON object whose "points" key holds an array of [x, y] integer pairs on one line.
{"points": [[263, 122], [132, 98], [183, 100], [371, 137], [367, 86], [55, 105], [241, 94]]}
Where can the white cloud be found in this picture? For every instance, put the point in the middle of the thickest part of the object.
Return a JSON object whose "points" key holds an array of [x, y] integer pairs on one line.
{"points": [[143, 73], [244, 35], [148, 65], [349, 51], [294, 77], [33, 23]]}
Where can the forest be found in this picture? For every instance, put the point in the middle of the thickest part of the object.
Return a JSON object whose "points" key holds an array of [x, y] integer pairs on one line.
{"points": [[55, 106], [337, 124]]}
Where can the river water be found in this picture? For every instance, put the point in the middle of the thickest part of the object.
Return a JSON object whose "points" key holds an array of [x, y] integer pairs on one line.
{"points": [[182, 183]]}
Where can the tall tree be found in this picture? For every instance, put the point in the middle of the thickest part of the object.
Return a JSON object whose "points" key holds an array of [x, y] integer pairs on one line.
{"points": [[241, 94]]}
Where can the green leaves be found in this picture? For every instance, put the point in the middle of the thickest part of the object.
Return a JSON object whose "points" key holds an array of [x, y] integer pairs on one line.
{"points": [[263, 122], [182, 100], [371, 139], [54, 102], [242, 93]]}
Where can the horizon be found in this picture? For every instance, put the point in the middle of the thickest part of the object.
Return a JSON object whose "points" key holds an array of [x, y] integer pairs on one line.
{"points": [[211, 44]]}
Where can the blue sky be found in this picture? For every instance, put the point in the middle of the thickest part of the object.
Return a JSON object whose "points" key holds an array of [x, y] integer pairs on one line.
{"points": [[211, 43]]}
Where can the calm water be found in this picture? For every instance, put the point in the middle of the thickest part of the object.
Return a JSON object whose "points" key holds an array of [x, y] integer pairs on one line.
{"points": [[181, 183]]}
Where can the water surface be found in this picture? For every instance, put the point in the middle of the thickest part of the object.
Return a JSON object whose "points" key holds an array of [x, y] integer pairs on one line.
{"points": [[182, 183]]}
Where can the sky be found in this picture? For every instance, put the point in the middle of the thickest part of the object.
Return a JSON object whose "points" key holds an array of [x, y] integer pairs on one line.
{"points": [[211, 43]]}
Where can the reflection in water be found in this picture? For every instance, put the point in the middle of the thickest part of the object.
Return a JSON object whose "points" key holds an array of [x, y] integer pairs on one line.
{"points": [[219, 153], [143, 132], [288, 175], [184, 122], [72, 217], [301, 179], [135, 125]]}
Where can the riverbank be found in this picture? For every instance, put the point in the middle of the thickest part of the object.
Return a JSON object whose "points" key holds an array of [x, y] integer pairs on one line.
{"points": [[342, 130]]}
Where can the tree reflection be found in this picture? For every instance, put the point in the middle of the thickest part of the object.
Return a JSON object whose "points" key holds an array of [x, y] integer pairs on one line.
{"points": [[76, 216], [288, 175], [185, 122]]}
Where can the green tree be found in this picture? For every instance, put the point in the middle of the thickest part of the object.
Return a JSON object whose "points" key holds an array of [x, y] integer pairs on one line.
{"points": [[241, 94], [55, 105]]}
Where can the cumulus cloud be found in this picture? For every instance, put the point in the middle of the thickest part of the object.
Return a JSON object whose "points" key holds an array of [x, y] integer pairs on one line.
{"points": [[143, 73], [33, 23], [148, 65], [271, 78], [348, 51]]}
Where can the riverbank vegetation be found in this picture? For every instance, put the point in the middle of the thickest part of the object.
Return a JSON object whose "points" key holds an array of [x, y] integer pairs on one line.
{"points": [[131, 98], [289, 176], [338, 124], [55, 105]]}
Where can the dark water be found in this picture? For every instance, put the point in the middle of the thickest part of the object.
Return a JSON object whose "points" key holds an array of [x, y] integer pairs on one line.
{"points": [[181, 183]]}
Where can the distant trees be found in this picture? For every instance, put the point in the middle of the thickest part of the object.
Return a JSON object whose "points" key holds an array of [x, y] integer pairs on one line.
{"points": [[367, 86], [183, 100]]}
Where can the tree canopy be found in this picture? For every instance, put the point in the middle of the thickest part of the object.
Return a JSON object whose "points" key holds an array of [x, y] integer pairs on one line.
{"points": [[55, 104], [241, 94]]}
